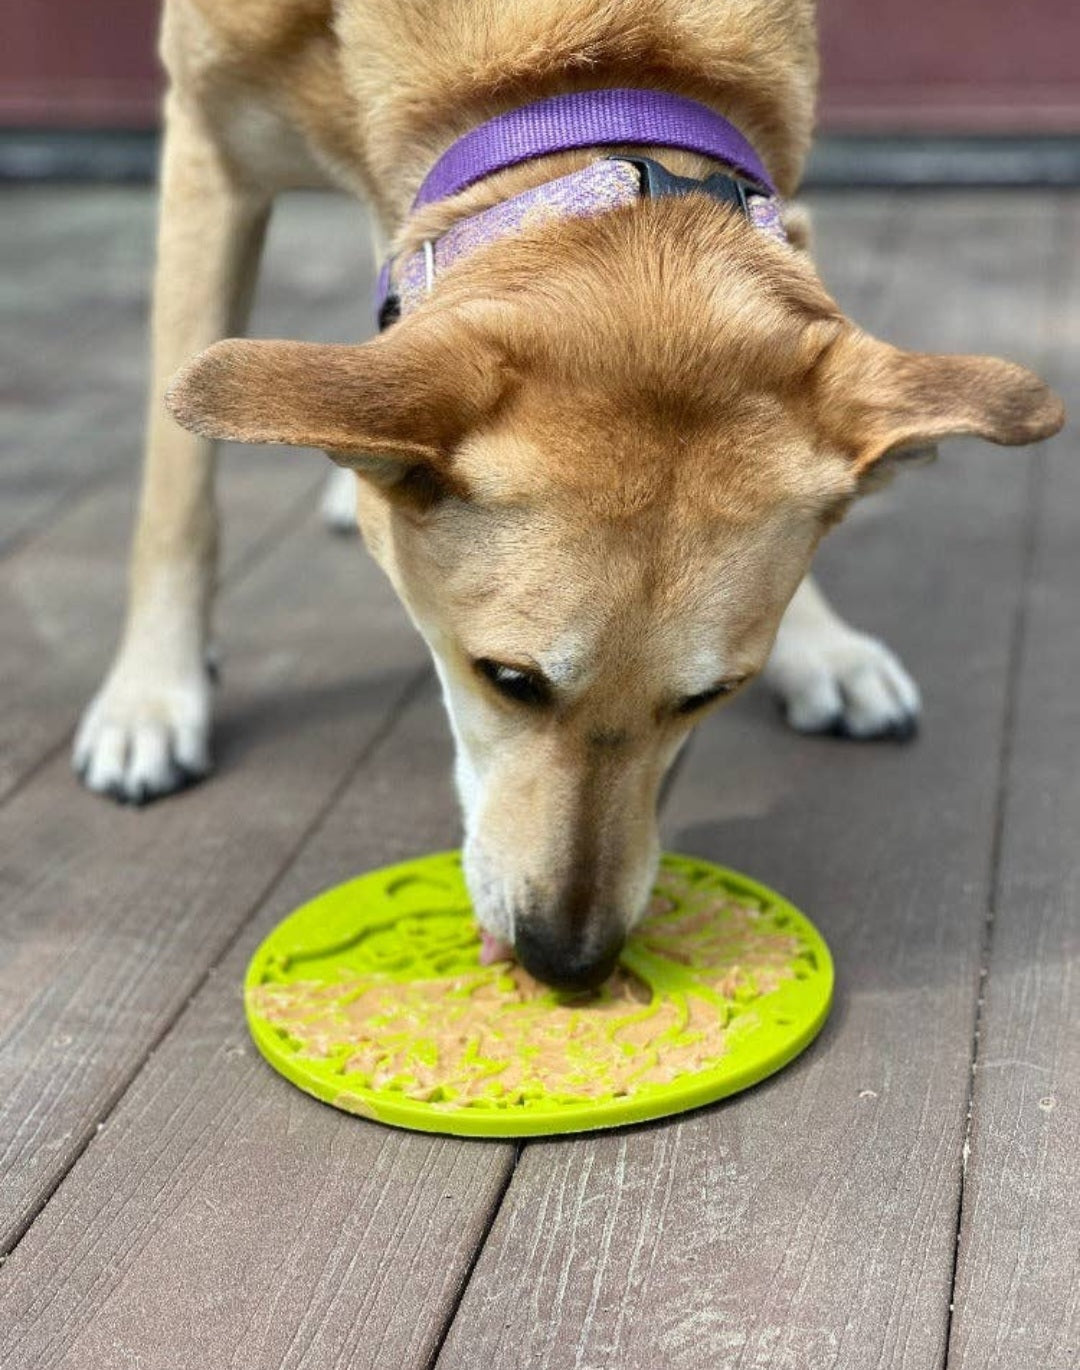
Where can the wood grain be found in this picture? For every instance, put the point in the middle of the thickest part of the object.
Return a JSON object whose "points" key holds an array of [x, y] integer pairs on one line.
{"points": [[111, 917], [1017, 1302], [812, 1222], [223, 1218], [73, 296]]}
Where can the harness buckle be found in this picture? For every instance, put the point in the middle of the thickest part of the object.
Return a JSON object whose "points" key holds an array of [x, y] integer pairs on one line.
{"points": [[657, 183]]}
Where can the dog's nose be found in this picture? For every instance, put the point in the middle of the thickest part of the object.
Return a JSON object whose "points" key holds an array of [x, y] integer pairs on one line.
{"points": [[565, 962]]}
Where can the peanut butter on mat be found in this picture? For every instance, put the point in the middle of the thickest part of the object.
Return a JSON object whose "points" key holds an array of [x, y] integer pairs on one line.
{"points": [[494, 1035]]}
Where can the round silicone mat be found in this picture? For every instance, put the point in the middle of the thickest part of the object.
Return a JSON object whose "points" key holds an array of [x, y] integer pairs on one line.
{"points": [[372, 997]]}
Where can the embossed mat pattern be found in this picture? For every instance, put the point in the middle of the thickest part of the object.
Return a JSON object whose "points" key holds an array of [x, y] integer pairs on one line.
{"points": [[372, 998]]}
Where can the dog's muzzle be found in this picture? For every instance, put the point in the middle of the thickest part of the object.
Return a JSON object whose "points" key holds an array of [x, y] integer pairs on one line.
{"points": [[573, 963]]}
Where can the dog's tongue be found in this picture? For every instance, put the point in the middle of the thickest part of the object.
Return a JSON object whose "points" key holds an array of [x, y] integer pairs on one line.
{"points": [[492, 949]]}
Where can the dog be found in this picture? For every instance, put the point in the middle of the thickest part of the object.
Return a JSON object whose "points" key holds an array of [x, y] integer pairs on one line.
{"points": [[594, 454]]}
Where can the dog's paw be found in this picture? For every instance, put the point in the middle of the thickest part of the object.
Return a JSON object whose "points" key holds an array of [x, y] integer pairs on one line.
{"points": [[338, 504], [845, 683], [145, 734]]}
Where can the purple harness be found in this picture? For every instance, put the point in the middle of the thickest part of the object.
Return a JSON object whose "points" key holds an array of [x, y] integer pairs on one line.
{"points": [[592, 118]]}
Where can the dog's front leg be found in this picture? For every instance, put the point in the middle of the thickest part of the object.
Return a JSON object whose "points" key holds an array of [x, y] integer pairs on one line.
{"points": [[147, 731], [834, 679]]}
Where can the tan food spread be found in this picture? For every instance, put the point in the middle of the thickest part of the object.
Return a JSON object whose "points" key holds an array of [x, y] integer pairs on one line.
{"points": [[496, 1032]]}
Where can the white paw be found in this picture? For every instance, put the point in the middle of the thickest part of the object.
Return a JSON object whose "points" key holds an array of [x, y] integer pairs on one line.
{"points": [[843, 682], [145, 734], [338, 504]]}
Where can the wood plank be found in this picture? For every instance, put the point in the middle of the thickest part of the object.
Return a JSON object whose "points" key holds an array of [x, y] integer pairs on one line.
{"points": [[110, 917], [1017, 1302], [812, 1222], [73, 352], [222, 1217]]}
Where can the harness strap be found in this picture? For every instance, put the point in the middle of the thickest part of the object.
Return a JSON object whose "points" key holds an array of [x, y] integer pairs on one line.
{"points": [[606, 118]]}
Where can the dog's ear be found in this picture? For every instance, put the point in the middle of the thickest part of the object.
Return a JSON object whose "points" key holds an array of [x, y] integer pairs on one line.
{"points": [[394, 409], [877, 402]]}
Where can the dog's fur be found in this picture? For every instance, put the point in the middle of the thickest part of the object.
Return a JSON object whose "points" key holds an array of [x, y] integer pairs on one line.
{"points": [[602, 453]]}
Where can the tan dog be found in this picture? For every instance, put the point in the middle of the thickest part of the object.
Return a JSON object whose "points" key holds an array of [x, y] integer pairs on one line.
{"points": [[595, 463]]}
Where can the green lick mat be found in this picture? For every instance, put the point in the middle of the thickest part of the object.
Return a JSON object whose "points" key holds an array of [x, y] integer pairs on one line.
{"points": [[372, 997]]}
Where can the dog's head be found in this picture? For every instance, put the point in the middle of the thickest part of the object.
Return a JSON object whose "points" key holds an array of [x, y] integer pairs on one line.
{"points": [[596, 465]]}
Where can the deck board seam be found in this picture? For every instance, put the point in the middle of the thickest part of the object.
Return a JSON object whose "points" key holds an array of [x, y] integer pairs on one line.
{"points": [[1018, 638], [398, 707], [40, 523], [1034, 519], [466, 1279], [42, 763]]}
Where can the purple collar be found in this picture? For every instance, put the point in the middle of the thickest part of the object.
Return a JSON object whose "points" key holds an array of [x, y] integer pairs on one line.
{"points": [[584, 119], [590, 118]]}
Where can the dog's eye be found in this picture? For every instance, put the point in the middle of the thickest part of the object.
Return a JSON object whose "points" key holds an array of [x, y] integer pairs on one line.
{"points": [[512, 682], [692, 703]]}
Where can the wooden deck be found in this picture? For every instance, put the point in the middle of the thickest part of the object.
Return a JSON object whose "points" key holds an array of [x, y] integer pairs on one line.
{"points": [[905, 1196]]}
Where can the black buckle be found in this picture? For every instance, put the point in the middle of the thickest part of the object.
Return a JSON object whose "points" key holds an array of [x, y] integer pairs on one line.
{"points": [[657, 182], [389, 311]]}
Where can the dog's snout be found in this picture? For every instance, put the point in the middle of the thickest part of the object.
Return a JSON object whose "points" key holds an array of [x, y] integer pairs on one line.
{"points": [[564, 960]]}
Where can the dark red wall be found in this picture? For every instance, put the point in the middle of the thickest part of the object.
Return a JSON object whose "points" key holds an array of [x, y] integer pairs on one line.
{"points": [[978, 66], [933, 65], [79, 63]]}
